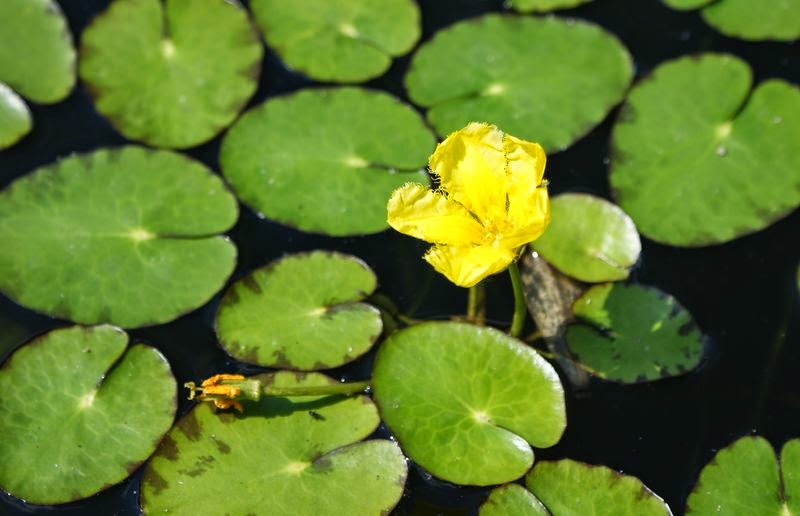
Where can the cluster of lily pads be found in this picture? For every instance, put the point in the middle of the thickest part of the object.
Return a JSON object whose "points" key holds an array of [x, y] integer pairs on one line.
{"points": [[139, 236]]}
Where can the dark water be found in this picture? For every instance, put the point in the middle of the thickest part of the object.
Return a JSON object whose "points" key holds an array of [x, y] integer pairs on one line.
{"points": [[742, 294]]}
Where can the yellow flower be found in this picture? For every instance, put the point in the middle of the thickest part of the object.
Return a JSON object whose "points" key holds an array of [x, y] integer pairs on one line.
{"points": [[224, 390], [491, 200]]}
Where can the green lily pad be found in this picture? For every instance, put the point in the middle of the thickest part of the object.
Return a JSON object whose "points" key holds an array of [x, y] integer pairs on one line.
{"points": [[37, 58], [171, 73], [543, 6], [303, 311], [514, 500], [640, 334], [746, 478], [326, 160], [589, 239], [687, 142], [339, 40], [281, 456], [80, 411], [745, 19], [126, 236], [520, 73], [571, 488], [467, 402], [15, 117]]}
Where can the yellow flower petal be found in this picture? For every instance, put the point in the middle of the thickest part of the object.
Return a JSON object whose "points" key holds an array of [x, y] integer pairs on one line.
{"points": [[526, 162], [417, 211], [471, 166], [466, 266], [531, 219]]}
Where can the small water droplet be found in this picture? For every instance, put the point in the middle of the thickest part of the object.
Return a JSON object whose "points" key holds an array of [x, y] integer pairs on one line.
{"points": [[685, 35], [722, 151], [606, 160], [777, 119]]}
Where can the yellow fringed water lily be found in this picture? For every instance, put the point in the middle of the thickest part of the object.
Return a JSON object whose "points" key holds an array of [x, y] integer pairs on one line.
{"points": [[491, 200]]}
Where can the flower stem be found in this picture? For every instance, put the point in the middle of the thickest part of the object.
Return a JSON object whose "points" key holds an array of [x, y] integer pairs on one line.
{"points": [[317, 390], [476, 304], [518, 321]]}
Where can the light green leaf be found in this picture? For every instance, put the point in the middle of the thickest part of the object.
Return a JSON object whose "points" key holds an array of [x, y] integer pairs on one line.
{"points": [[15, 117], [80, 411], [589, 239], [281, 456], [326, 160], [543, 6], [640, 334], [171, 73], [126, 236], [467, 402], [686, 5], [745, 479], [746, 19], [512, 500], [571, 488], [37, 58], [547, 80], [301, 312], [339, 40], [700, 159]]}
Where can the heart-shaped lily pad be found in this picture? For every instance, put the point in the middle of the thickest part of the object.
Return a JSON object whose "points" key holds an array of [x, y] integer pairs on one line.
{"points": [[589, 239], [281, 456], [746, 478], [468, 402], [80, 411], [568, 487], [745, 19], [15, 117], [339, 40], [687, 142], [640, 334], [171, 73], [542, 6], [520, 73], [512, 499], [301, 312], [326, 160], [126, 236], [37, 58]]}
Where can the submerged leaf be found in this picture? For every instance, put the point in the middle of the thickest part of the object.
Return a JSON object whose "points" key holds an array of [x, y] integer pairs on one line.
{"points": [[639, 334]]}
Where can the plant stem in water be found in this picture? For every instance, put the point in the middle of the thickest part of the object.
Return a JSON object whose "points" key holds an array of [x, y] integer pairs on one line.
{"points": [[476, 304], [518, 321], [317, 390]]}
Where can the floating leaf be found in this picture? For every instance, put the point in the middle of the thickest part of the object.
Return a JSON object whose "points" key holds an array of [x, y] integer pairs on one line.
{"points": [[568, 487], [745, 478], [745, 19], [514, 500], [15, 117], [339, 40], [171, 73], [547, 80], [467, 402], [542, 6], [37, 58], [281, 456], [301, 312], [80, 411], [687, 146], [326, 160], [589, 239], [126, 236], [641, 334]]}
